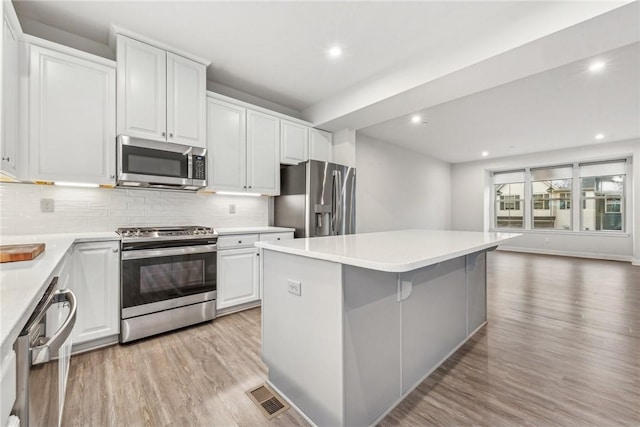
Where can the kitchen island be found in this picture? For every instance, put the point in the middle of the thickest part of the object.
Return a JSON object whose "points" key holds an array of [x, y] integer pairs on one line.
{"points": [[352, 324]]}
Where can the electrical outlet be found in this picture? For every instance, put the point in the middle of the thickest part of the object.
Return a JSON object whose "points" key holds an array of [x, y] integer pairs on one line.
{"points": [[47, 205], [294, 287], [232, 208]]}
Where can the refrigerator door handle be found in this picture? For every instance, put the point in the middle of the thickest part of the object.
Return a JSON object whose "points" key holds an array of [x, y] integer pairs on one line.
{"points": [[334, 201], [340, 208]]}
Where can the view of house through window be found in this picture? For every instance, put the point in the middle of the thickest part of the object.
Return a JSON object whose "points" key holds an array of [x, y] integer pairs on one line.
{"points": [[549, 194], [602, 198], [551, 197], [509, 201]]}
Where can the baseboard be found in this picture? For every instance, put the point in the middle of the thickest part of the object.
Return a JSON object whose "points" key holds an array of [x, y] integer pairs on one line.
{"points": [[635, 261], [608, 257], [236, 308]]}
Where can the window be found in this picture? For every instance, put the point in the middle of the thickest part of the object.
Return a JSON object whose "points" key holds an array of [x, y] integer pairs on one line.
{"points": [[543, 198], [508, 189], [540, 201], [510, 203], [565, 200], [551, 197], [602, 196]]}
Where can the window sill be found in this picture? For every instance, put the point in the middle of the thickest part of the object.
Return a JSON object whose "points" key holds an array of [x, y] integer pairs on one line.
{"points": [[563, 232]]}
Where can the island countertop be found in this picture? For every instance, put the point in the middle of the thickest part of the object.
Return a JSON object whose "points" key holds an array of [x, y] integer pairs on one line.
{"points": [[392, 251]]}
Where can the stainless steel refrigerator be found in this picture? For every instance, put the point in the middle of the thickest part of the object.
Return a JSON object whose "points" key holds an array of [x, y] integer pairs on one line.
{"points": [[317, 199]]}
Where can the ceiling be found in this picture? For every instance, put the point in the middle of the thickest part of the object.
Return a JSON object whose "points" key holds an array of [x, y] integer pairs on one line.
{"points": [[276, 51], [560, 108]]}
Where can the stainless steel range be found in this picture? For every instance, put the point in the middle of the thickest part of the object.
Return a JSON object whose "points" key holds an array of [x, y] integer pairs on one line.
{"points": [[168, 279]]}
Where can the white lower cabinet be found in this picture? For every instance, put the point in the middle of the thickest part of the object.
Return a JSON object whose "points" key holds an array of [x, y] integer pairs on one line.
{"points": [[238, 277], [96, 284]]}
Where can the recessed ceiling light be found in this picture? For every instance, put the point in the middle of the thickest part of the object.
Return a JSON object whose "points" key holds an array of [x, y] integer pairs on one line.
{"points": [[600, 136], [334, 51], [485, 153], [416, 118], [596, 66]]}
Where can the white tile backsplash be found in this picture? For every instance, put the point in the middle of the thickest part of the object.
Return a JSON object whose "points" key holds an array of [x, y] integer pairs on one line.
{"points": [[106, 209]]}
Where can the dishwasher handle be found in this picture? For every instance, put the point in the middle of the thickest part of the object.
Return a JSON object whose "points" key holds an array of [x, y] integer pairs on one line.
{"points": [[42, 353]]}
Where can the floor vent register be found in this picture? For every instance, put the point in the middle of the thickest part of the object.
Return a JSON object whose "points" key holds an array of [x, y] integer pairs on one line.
{"points": [[270, 403]]}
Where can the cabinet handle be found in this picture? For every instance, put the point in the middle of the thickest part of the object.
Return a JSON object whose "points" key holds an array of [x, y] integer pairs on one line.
{"points": [[114, 250], [244, 186], [249, 186], [278, 238], [8, 159], [171, 135], [239, 241], [112, 176], [164, 134], [257, 254]]}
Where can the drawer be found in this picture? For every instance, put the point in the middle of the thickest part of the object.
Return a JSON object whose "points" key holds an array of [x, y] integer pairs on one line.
{"points": [[273, 237], [237, 241]]}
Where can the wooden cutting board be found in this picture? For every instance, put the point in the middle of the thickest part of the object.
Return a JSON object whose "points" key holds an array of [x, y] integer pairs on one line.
{"points": [[12, 253]]}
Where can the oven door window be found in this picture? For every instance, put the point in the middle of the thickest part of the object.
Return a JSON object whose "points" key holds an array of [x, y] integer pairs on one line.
{"points": [[150, 280], [146, 161]]}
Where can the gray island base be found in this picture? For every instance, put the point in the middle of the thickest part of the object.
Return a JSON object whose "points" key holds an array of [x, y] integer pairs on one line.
{"points": [[345, 344]]}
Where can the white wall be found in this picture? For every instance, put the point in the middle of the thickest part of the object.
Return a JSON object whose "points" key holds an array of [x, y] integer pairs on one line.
{"points": [[102, 209], [470, 185], [344, 147], [399, 188]]}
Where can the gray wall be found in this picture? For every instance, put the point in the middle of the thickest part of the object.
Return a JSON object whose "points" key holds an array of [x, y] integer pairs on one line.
{"points": [[400, 189]]}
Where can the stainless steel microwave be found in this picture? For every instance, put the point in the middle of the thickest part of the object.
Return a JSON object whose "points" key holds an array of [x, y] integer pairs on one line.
{"points": [[145, 163]]}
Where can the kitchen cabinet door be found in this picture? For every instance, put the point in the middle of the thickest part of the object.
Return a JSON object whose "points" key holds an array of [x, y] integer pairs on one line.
{"points": [[96, 283], [186, 101], [227, 146], [238, 278], [142, 89], [71, 118], [10, 83], [263, 153], [320, 145], [294, 143]]}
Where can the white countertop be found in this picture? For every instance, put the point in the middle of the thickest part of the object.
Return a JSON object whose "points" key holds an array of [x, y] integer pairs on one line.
{"points": [[394, 251], [23, 283], [252, 230]]}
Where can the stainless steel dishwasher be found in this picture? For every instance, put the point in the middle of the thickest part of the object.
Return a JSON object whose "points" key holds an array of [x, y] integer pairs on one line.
{"points": [[43, 352]]}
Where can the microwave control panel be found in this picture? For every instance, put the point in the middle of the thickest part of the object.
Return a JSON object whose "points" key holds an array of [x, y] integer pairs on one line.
{"points": [[199, 168]]}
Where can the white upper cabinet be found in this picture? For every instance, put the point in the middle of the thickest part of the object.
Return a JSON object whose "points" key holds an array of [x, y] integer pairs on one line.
{"points": [[72, 111], [161, 95], [244, 149], [294, 143], [186, 101], [9, 145], [227, 146], [263, 153], [320, 145], [142, 86]]}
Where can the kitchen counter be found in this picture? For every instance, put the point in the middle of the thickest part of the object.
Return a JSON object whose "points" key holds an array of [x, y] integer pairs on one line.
{"points": [[352, 324], [394, 251], [252, 230], [23, 283]]}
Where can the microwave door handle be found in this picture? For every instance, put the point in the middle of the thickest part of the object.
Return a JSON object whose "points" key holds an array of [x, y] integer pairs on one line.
{"points": [[161, 252], [42, 353], [189, 166]]}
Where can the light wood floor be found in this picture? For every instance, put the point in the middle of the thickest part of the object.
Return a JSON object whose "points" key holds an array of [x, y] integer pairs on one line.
{"points": [[562, 348]]}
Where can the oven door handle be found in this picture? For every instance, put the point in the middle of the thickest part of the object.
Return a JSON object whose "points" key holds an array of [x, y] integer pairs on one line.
{"points": [[42, 353], [161, 252]]}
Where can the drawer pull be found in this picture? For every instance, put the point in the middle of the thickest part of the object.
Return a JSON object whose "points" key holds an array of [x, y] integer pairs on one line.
{"points": [[239, 241], [278, 238]]}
